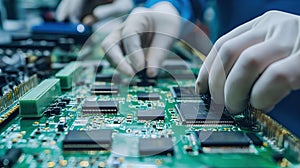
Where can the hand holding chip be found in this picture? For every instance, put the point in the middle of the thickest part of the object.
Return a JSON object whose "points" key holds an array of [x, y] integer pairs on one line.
{"points": [[259, 59]]}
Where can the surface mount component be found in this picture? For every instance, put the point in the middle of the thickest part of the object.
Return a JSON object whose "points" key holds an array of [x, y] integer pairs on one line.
{"points": [[197, 113], [223, 139], [88, 140], [151, 114], [104, 89], [106, 107], [184, 93], [147, 96], [115, 78]]}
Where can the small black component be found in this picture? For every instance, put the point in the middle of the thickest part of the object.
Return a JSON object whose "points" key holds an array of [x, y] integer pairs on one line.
{"points": [[61, 126], [88, 140], [104, 89], [114, 78], [142, 83], [151, 114], [188, 149], [155, 146], [62, 104], [146, 83], [277, 157], [147, 96], [255, 139], [154, 125], [53, 105], [197, 113], [106, 107], [184, 93], [56, 110], [66, 99], [223, 139], [11, 157], [35, 155], [99, 68], [48, 112]]}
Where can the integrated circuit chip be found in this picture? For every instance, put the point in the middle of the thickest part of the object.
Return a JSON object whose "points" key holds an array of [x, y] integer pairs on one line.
{"points": [[197, 113], [88, 140], [104, 89], [151, 114], [106, 107], [115, 78], [223, 139], [155, 146], [143, 83], [184, 93], [147, 96]]}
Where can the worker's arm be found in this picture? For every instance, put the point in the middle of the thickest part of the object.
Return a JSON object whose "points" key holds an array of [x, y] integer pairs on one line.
{"points": [[256, 62]]}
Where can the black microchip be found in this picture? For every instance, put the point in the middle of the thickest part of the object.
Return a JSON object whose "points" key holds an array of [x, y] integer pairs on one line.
{"points": [[151, 114], [255, 139], [88, 140], [223, 139], [197, 113], [147, 96], [104, 89], [115, 78], [158, 146], [106, 107], [143, 83], [184, 93]]}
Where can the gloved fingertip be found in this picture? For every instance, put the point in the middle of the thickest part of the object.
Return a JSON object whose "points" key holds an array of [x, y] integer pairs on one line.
{"points": [[152, 72], [129, 72]]}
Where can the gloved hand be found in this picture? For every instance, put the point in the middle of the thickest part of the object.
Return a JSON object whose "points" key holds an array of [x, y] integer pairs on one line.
{"points": [[145, 37], [257, 61], [74, 9]]}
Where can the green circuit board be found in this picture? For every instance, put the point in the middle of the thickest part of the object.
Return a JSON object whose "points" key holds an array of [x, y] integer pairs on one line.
{"points": [[107, 120]]}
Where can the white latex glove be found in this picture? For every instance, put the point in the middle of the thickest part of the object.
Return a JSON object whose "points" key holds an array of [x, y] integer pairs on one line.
{"points": [[145, 37], [258, 61], [69, 9], [72, 9]]}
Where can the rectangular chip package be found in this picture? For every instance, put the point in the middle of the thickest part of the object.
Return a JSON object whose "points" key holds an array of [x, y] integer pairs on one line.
{"points": [[104, 89], [88, 140], [101, 107], [148, 96], [198, 114], [151, 114], [185, 93], [224, 142]]}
